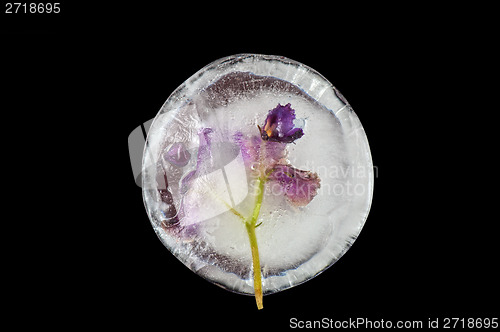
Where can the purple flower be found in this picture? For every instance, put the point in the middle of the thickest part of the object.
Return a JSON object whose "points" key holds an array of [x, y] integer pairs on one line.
{"points": [[266, 155], [298, 186], [279, 125], [258, 154]]}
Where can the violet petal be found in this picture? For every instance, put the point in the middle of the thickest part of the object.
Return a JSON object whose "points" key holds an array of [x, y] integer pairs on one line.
{"points": [[178, 155], [255, 151], [279, 126], [204, 157], [298, 186], [205, 150]]}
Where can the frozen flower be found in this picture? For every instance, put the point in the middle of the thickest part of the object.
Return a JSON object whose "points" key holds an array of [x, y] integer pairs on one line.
{"points": [[279, 125], [264, 156]]}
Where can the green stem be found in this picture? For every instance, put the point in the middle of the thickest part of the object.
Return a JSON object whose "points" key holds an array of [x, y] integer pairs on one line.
{"points": [[258, 201], [257, 279], [230, 208], [250, 226]]}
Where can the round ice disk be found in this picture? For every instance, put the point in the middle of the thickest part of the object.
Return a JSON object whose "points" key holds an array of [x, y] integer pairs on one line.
{"points": [[217, 138]]}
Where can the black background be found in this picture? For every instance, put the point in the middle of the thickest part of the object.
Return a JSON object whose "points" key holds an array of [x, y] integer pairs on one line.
{"points": [[88, 77]]}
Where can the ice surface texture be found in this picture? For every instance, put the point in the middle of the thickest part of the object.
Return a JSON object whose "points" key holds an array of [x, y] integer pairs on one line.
{"points": [[196, 174]]}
